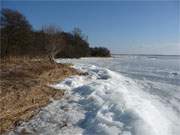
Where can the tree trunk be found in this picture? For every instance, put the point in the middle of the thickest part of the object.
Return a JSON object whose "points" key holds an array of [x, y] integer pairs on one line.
{"points": [[51, 59]]}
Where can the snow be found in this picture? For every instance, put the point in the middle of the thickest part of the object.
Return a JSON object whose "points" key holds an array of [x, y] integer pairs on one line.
{"points": [[104, 103]]}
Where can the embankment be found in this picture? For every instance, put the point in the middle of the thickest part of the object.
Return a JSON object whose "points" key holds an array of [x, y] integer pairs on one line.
{"points": [[24, 88]]}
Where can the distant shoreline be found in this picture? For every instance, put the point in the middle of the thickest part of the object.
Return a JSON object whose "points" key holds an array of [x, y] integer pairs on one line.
{"points": [[145, 54]]}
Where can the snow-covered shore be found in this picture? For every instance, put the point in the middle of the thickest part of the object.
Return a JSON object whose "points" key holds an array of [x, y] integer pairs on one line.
{"points": [[103, 103]]}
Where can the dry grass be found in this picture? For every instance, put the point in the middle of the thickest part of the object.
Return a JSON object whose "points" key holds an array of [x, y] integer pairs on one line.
{"points": [[24, 88]]}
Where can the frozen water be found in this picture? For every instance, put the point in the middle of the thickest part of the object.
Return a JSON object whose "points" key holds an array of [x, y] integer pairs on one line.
{"points": [[125, 95]]}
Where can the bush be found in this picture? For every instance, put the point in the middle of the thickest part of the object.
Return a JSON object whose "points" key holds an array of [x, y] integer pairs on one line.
{"points": [[100, 52]]}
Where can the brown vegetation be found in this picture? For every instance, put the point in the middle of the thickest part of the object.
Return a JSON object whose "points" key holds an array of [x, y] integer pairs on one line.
{"points": [[24, 88]]}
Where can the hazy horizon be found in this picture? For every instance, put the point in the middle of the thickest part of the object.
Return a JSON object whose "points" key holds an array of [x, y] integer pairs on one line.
{"points": [[132, 27], [145, 54]]}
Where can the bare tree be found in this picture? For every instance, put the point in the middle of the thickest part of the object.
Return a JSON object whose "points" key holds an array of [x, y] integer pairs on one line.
{"points": [[51, 29], [55, 42]]}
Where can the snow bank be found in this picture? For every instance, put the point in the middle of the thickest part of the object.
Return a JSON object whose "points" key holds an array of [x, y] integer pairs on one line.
{"points": [[101, 103]]}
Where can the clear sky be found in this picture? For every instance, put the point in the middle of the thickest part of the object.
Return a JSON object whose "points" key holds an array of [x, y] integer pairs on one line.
{"points": [[145, 27]]}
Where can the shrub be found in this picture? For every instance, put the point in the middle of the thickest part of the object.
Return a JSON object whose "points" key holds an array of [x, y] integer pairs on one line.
{"points": [[100, 52]]}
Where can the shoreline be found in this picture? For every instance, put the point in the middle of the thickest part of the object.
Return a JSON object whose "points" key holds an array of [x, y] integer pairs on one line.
{"points": [[24, 88], [97, 104], [101, 96]]}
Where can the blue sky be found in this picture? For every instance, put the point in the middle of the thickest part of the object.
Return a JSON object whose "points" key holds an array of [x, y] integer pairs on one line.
{"points": [[145, 27]]}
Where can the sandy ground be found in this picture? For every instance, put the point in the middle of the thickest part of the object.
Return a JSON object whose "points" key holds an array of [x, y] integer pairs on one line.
{"points": [[24, 88]]}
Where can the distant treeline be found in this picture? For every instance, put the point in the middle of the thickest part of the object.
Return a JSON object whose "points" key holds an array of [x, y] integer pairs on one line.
{"points": [[19, 39]]}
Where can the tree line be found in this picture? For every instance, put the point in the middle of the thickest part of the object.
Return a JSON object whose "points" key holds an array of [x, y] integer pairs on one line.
{"points": [[19, 39]]}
